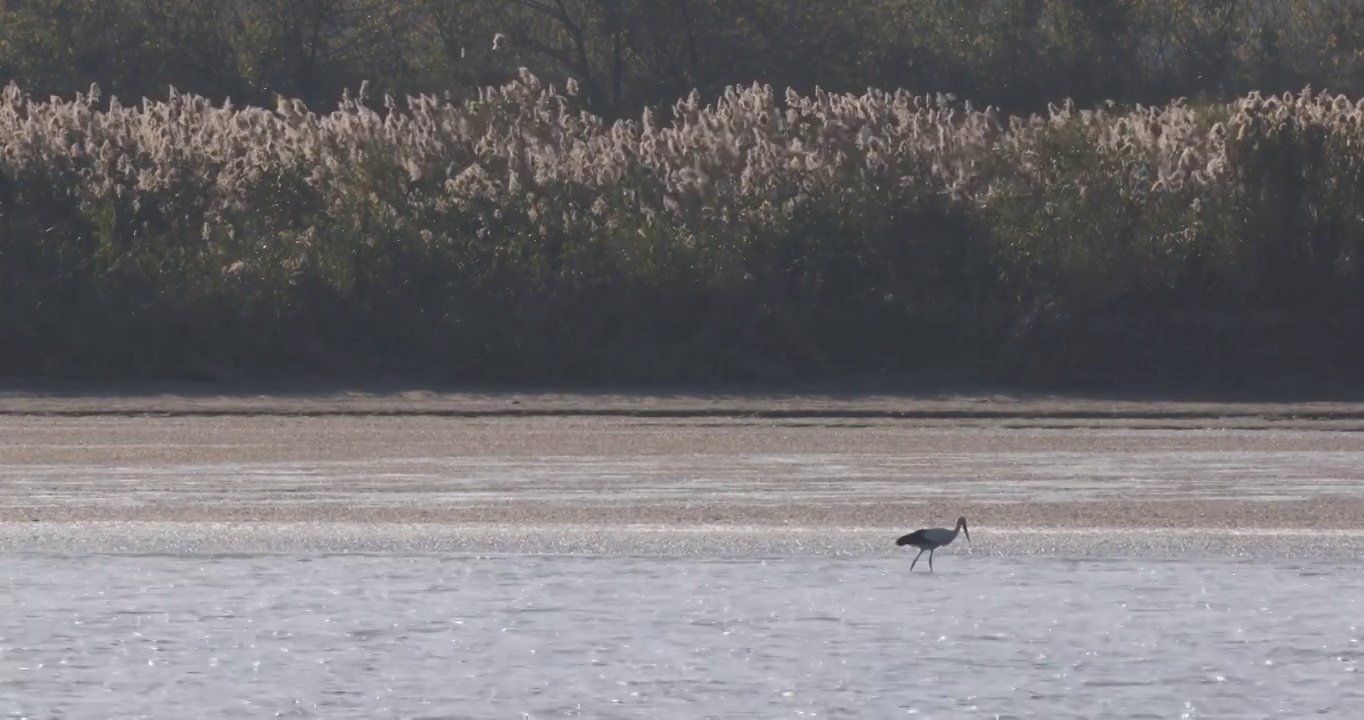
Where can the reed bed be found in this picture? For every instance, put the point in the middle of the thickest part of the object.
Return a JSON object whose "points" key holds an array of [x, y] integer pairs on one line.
{"points": [[513, 236]]}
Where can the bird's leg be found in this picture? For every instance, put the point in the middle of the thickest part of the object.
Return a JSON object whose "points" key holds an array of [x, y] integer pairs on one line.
{"points": [[930, 560], [916, 559]]}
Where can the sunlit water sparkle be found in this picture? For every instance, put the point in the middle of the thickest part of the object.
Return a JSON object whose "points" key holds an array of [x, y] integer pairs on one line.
{"points": [[540, 636]]}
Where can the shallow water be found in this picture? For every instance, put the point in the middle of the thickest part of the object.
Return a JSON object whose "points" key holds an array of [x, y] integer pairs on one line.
{"points": [[177, 619], [362, 636]]}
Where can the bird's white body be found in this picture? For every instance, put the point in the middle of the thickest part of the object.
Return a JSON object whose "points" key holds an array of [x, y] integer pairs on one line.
{"points": [[931, 539]]}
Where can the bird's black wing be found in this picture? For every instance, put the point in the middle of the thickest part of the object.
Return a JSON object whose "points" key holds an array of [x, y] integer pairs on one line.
{"points": [[911, 539]]}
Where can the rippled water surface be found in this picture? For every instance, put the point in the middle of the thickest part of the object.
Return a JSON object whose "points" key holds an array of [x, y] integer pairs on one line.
{"points": [[443, 636], [309, 614]]}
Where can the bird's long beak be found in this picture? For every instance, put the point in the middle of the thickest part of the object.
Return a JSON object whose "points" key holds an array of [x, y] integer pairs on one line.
{"points": [[966, 532]]}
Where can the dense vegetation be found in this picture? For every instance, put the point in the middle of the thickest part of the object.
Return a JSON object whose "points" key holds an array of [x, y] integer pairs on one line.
{"points": [[556, 214]]}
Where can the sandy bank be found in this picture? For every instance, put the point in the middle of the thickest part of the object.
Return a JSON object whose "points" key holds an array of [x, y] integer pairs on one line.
{"points": [[875, 476], [916, 406]]}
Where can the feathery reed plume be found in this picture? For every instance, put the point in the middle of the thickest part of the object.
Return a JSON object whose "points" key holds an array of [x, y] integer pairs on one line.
{"points": [[518, 187]]}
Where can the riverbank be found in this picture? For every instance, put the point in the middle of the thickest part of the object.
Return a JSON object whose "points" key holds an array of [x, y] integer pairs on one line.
{"points": [[969, 406]]}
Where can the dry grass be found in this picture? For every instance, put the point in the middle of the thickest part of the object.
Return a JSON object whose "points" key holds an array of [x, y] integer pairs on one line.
{"points": [[515, 234]]}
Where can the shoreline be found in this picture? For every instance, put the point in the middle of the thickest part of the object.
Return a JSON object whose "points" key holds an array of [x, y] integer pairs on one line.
{"points": [[1327, 513], [968, 406], [635, 541]]}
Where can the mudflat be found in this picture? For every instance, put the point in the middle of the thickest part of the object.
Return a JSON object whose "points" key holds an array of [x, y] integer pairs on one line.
{"points": [[605, 460]]}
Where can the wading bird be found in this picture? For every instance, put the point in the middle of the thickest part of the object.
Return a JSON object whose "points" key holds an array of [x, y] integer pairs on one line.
{"points": [[931, 539]]}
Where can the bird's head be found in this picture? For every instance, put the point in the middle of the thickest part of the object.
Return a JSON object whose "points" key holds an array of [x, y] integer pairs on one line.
{"points": [[961, 524]]}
